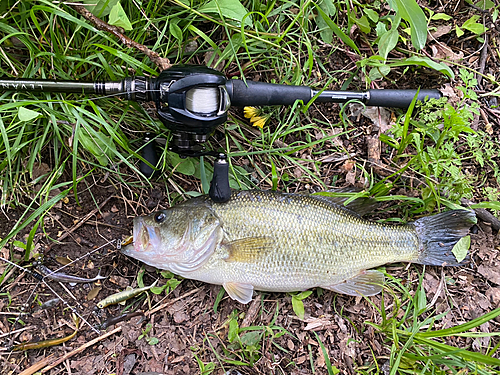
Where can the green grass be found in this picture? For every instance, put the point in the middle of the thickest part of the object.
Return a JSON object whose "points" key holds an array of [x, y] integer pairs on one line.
{"points": [[417, 347], [71, 137]]}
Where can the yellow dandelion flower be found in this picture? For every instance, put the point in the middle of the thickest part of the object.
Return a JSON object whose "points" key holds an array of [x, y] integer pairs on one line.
{"points": [[251, 112], [258, 121]]}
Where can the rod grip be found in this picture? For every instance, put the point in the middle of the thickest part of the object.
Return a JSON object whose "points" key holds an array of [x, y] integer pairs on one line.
{"points": [[399, 98], [261, 93]]}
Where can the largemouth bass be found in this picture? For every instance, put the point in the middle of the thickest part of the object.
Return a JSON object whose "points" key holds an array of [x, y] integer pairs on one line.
{"points": [[280, 242]]}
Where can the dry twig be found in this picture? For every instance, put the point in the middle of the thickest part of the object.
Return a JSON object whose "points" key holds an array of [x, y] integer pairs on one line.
{"points": [[161, 62], [37, 366], [80, 349]]}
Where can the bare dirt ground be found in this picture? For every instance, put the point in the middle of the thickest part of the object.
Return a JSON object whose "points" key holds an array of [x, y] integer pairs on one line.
{"points": [[187, 328]]}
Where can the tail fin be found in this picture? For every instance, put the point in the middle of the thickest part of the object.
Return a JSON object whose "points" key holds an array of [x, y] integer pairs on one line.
{"points": [[439, 233]]}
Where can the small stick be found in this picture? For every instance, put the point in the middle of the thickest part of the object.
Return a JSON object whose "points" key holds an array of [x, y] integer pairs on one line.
{"points": [[80, 349], [251, 313], [482, 60], [162, 62], [167, 304], [37, 366], [16, 331]]}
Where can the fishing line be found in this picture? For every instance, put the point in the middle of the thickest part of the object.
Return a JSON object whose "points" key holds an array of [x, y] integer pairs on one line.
{"points": [[83, 256], [40, 278]]}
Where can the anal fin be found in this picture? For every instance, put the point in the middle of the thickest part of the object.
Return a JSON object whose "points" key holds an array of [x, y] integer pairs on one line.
{"points": [[239, 291], [367, 283]]}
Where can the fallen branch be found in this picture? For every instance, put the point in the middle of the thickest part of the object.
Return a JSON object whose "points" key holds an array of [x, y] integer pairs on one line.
{"points": [[80, 349], [37, 366], [161, 62]]}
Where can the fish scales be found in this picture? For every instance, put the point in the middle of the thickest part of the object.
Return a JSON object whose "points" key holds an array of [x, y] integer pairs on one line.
{"points": [[317, 244], [275, 241]]}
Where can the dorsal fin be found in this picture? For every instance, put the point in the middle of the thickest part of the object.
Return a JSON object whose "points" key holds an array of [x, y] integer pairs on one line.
{"points": [[361, 205]]}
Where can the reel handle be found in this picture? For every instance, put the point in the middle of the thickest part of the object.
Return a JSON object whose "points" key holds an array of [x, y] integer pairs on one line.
{"points": [[150, 155], [220, 191]]}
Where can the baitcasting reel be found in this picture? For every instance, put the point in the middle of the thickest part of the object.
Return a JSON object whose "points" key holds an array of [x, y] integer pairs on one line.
{"points": [[191, 101]]}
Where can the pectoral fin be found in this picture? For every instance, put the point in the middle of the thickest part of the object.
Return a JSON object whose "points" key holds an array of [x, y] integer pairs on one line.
{"points": [[250, 249], [367, 283], [239, 291]]}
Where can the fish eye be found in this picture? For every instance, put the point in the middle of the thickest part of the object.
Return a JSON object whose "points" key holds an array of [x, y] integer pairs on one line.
{"points": [[160, 217]]}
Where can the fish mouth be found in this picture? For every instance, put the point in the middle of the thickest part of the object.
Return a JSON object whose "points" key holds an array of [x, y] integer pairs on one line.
{"points": [[145, 237]]}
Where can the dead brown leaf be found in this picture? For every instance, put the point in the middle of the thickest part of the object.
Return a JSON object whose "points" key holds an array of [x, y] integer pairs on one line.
{"points": [[440, 51], [440, 31], [490, 273]]}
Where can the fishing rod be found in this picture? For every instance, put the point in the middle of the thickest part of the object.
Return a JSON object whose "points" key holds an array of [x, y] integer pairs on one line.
{"points": [[191, 101]]}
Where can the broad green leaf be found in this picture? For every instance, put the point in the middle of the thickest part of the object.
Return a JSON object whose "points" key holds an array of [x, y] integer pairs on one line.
{"points": [[298, 307], [233, 330], [485, 4], [473, 26], [372, 15], [459, 31], [158, 289], [328, 7], [251, 338], [326, 32], [379, 72], [363, 24], [100, 8], [389, 39], [380, 29], [153, 341], [411, 12], [184, 166], [232, 9], [175, 30], [461, 247], [99, 144], [167, 274], [25, 114], [303, 295], [118, 17]]}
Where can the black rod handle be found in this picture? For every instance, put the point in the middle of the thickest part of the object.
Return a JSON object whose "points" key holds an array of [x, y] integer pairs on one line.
{"points": [[399, 98], [260, 93]]}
